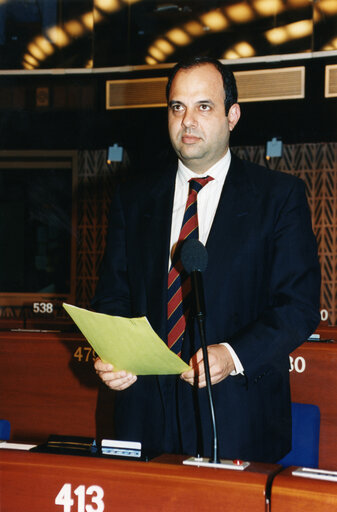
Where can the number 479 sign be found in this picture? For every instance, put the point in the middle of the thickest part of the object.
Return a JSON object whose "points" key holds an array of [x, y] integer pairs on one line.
{"points": [[88, 499]]}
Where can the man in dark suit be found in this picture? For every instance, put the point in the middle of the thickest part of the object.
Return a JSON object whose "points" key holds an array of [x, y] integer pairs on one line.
{"points": [[261, 284]]}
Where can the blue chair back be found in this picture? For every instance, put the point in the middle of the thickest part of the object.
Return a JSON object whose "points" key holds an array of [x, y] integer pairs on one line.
{"points": [[5, 430], [305, 436]]}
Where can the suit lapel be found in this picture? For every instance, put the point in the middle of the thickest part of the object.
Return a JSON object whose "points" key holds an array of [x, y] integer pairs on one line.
{"points": [[157, 217], [235, 206]]}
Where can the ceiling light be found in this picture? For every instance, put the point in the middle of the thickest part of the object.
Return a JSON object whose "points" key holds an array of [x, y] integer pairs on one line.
{"points": [[97, 15], [35, 51], [156, 53], [27, 66], [88, 20], [298, 4], [331, 45], [327, 6], [150, 61], [230, 54], [276, 35], [108, 5], [244, 49], [178, 36], [164, 46], [268, 7], [215, 20], [58, 36], [240, 13], [240, 50], [289, 32], [31, 60], [299, 29], [74, 28], [194, 28], [40, 48], [44, 45]]}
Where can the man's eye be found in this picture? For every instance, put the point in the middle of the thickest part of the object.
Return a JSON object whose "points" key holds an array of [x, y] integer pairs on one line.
{"points": [[177, 107], [204, 107]]}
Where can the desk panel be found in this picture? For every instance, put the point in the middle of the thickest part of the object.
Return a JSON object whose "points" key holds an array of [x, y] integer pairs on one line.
{"points": [[32, 481], [48, 386], [327, 332], [313, 380], [298, 494], [44, 389]]}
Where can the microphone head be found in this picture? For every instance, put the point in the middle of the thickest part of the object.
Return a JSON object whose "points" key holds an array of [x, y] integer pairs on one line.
{"points": [[194, 256]]}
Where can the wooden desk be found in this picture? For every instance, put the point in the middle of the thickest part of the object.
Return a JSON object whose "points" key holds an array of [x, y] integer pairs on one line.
{"points": [[32, 481], [295, 494], [327, 332], [48, 386], [313, 380], [44, 389]]}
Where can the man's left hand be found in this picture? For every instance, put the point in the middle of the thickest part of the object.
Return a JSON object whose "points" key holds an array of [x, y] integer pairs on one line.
{"points": [[220, 366]]}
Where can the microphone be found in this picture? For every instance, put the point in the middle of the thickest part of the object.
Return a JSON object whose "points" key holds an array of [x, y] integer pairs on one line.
{"points": [[194, 258]]}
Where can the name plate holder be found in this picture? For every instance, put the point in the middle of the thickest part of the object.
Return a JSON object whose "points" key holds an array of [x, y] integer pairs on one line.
{"points": [[316, 474], [121, 448], [237, 465]]}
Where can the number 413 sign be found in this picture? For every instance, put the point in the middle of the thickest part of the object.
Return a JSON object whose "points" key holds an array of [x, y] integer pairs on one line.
{"points": [[93, 494]]}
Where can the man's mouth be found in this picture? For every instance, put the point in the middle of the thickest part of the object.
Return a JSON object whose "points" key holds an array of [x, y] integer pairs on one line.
{"points": [[190, 139]]}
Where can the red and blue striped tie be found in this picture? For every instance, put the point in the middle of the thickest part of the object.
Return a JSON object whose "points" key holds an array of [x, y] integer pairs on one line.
{"points": [[179, 282]]}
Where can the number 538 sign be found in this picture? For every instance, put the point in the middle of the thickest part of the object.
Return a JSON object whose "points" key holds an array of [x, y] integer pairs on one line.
{"points": [[88, 499]]}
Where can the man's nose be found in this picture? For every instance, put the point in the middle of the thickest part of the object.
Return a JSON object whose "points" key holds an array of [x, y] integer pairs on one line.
{"points": [[189, 119]]}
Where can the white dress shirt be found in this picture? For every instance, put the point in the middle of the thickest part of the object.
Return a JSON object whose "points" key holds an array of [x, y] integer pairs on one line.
{"points": [[208, 200]]}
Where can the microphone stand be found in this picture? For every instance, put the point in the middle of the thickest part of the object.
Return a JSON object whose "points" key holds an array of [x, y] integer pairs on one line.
{"points": [[197, 287], [194, 260], [199, 313]]}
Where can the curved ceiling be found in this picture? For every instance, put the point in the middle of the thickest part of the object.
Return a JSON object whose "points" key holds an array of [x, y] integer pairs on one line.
{"points": [[42, 34]]}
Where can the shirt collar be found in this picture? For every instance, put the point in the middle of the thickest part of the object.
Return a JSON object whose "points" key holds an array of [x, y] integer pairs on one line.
{"points": [[218, 171]]}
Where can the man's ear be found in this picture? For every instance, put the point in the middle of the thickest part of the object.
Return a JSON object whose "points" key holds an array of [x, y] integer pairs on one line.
{"points": [[233, 116]]}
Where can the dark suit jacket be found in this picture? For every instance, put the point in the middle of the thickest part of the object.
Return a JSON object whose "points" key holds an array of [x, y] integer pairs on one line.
{"points": [[261, 286]]}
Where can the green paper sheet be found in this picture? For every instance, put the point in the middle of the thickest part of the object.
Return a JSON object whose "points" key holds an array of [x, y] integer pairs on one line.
{"points": [[127, 343]]}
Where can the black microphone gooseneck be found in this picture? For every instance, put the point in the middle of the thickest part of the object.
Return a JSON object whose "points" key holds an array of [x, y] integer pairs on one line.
{"points": [[194, 258]]}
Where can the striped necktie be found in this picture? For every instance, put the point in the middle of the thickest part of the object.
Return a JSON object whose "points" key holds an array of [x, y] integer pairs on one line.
{"points": [[179, 282]]}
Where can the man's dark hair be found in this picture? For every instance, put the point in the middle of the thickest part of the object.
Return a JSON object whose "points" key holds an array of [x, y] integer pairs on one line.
{"points": [[229, 83]]}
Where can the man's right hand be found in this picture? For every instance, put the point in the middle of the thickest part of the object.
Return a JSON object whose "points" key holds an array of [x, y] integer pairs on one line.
{"points": [[114, 380]]}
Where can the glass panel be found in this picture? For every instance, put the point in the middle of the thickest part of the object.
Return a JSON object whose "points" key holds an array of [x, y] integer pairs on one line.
{"points": [[163, 32], [35, 225], [37, 34], [40, 34], [111, 33], [325, 25], [290, 29]]}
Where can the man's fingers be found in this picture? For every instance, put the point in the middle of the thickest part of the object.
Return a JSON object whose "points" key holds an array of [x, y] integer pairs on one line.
{"points": [[197, 358], [118, 380], [100, 366], [120, 383], [220, 365]]}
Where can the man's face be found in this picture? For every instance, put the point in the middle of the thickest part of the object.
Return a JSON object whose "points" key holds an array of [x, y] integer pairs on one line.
{"points": [[198, 126]]}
